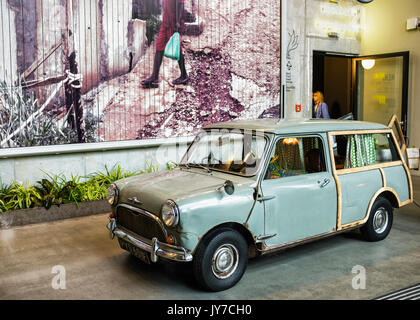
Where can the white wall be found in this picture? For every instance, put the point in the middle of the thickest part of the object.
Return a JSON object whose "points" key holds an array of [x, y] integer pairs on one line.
{"points": [[383, 32], [8, 63], [302, 17], [28, 165]]}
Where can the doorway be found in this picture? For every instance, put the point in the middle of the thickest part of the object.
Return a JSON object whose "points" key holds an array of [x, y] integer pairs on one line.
{"points": [[333, 77], [372, 88]]}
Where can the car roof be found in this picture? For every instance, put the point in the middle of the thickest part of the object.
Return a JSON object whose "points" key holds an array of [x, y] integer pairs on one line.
{"points": [[283, 126]]}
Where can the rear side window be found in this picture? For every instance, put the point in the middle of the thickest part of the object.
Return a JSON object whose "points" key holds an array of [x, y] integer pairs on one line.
{"points": [[296, 156], [360, 150]]}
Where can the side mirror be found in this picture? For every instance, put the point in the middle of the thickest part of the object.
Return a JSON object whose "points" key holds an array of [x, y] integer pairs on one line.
{"points": [[228, 186]]}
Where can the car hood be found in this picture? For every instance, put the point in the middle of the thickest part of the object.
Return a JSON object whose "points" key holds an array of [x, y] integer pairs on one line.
{"points": [[152, 190]]}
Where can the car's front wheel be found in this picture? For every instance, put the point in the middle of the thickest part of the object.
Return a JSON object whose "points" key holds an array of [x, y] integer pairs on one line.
{"points": [[380, 220], [221, 259]]}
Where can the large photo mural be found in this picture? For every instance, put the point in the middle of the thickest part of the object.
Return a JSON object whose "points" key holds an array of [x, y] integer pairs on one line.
{"points": [[83, 71]]}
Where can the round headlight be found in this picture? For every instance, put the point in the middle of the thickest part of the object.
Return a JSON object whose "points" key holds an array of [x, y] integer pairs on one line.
{"points": [[113, 194], [170, 213]]}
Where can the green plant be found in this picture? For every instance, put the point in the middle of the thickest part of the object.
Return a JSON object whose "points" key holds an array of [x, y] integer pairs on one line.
{"points": [[110, 176], [4, 188], [171, 165], [56, 192], [150, 168], [57, 189], [92, 190], [21, 196]]}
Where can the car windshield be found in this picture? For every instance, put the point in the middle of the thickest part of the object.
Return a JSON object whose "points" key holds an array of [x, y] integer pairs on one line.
{"points": [[232, 151]]}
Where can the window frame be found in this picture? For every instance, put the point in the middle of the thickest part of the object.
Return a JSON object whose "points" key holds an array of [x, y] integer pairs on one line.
{"points": [[235, 130], [331, 134], [276, 139]]}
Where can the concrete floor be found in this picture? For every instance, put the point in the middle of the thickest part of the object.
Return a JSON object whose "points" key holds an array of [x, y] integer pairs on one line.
{"points": [[96, 268]]}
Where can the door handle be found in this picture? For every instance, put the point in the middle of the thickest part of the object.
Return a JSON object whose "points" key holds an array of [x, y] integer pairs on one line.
{"points": [[261, 198], [324, 183]]}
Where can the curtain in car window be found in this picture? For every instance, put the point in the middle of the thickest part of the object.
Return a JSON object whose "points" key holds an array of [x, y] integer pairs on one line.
{"points": [[360, 151]]}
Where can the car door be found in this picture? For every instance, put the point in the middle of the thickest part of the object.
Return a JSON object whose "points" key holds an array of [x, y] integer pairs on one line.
{"points": [[298, 190]]}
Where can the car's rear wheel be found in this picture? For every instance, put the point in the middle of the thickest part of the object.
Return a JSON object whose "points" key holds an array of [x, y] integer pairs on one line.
{"points": [[220, 260], [380, 221]]}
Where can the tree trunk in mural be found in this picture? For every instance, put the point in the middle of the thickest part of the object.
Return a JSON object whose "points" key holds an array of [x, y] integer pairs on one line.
{"points": [[72, 87], [66, 50], [77, 106]]}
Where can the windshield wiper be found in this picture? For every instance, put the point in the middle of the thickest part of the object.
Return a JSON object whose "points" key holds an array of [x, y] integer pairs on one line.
{"points": [[185, 165], [198, 165]]}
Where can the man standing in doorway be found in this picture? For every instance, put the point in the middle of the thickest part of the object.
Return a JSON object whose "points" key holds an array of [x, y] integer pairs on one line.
{"points": [[173, 11]]}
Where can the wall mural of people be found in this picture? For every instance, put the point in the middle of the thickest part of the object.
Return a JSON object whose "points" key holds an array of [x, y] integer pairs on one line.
{"points": [[229, 68]]}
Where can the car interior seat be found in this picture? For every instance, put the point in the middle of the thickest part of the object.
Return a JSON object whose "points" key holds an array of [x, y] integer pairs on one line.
{"points": [[313, 161]]}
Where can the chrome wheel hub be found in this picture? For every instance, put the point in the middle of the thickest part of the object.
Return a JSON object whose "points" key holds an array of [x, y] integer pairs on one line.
{"points": [[225, 261], [380, 220]]}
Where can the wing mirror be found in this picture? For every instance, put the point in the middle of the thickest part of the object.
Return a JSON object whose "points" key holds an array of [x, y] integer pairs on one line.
{"points": [[228, 186]]}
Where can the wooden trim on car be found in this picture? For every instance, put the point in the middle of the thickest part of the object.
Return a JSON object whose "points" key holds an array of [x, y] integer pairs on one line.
{"points": [[337, 181], [407, 171], [336, 173], [383, 177], [371, 167], [343, 133]]}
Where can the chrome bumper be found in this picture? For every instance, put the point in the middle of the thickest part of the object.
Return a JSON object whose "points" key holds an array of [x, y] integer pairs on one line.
{"points": [[154, 247]]}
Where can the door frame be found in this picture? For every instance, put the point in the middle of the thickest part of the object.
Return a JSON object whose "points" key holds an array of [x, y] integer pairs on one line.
{"points": [[404, 102], [353, 87], [323, 136], [349, 56]]}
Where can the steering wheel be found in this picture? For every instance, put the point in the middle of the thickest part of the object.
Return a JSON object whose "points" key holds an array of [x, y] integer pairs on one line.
{"points": [[209, 159], [249, 155]]}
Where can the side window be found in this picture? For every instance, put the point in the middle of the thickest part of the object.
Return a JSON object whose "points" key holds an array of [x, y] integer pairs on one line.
{"points": [[296, 156], [359, 150], [385, 150]]}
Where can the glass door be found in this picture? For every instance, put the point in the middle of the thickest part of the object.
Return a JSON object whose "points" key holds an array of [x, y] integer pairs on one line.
{"points": [[381, 87]]}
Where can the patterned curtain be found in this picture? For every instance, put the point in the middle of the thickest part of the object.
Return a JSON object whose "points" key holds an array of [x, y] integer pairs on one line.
{"points": [[289, 157], [360, 151]]}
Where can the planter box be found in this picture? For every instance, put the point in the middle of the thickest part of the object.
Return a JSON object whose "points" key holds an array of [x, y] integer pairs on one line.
{"points": [[413, 158], [39, 215], [413, 164], [413, 153]]}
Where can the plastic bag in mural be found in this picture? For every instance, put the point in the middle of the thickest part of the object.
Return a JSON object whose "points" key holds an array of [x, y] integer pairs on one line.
{"points": [[173, 48]]}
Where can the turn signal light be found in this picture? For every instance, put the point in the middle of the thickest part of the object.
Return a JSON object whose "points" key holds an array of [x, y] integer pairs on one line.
{"points": [[112, 215], [170, 240]]}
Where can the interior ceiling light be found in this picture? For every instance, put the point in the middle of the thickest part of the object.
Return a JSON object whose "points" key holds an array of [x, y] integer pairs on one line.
{"points": [[368, 64], [290, 141]]}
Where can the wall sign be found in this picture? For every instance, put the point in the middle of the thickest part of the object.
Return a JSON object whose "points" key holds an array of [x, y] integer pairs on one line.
{"points": [[341, 18]]}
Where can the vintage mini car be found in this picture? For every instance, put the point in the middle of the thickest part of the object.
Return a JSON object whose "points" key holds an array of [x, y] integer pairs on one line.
{"points": [[248, 188]]}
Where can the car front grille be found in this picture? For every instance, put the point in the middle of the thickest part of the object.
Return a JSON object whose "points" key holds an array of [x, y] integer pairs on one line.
{"points": [[140, 222]]}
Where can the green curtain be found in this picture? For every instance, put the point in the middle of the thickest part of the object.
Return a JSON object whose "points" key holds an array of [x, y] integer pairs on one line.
{"points": [[289, 156], [360, 151]]}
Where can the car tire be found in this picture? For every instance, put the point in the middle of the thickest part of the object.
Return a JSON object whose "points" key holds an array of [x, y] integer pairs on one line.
{"points": [[220, 260], [380, 221]]}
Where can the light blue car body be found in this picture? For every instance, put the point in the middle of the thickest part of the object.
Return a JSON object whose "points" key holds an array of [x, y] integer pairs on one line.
{"points": [[277, 213]]}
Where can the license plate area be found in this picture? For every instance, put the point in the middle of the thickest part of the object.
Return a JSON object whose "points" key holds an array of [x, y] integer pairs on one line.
{"points": [[138, 253]]}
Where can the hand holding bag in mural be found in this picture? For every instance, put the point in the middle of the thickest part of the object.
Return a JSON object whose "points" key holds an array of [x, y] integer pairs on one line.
{"points": [[173, 48]]}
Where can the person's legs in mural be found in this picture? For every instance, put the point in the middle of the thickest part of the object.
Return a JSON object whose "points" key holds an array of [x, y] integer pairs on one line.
{"points": [[152, 81], [172, 21], [183, 79]]}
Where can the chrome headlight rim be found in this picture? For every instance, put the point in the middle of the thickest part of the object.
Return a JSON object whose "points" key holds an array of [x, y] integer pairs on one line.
{"points": [[170, 217], [113, 194]]}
